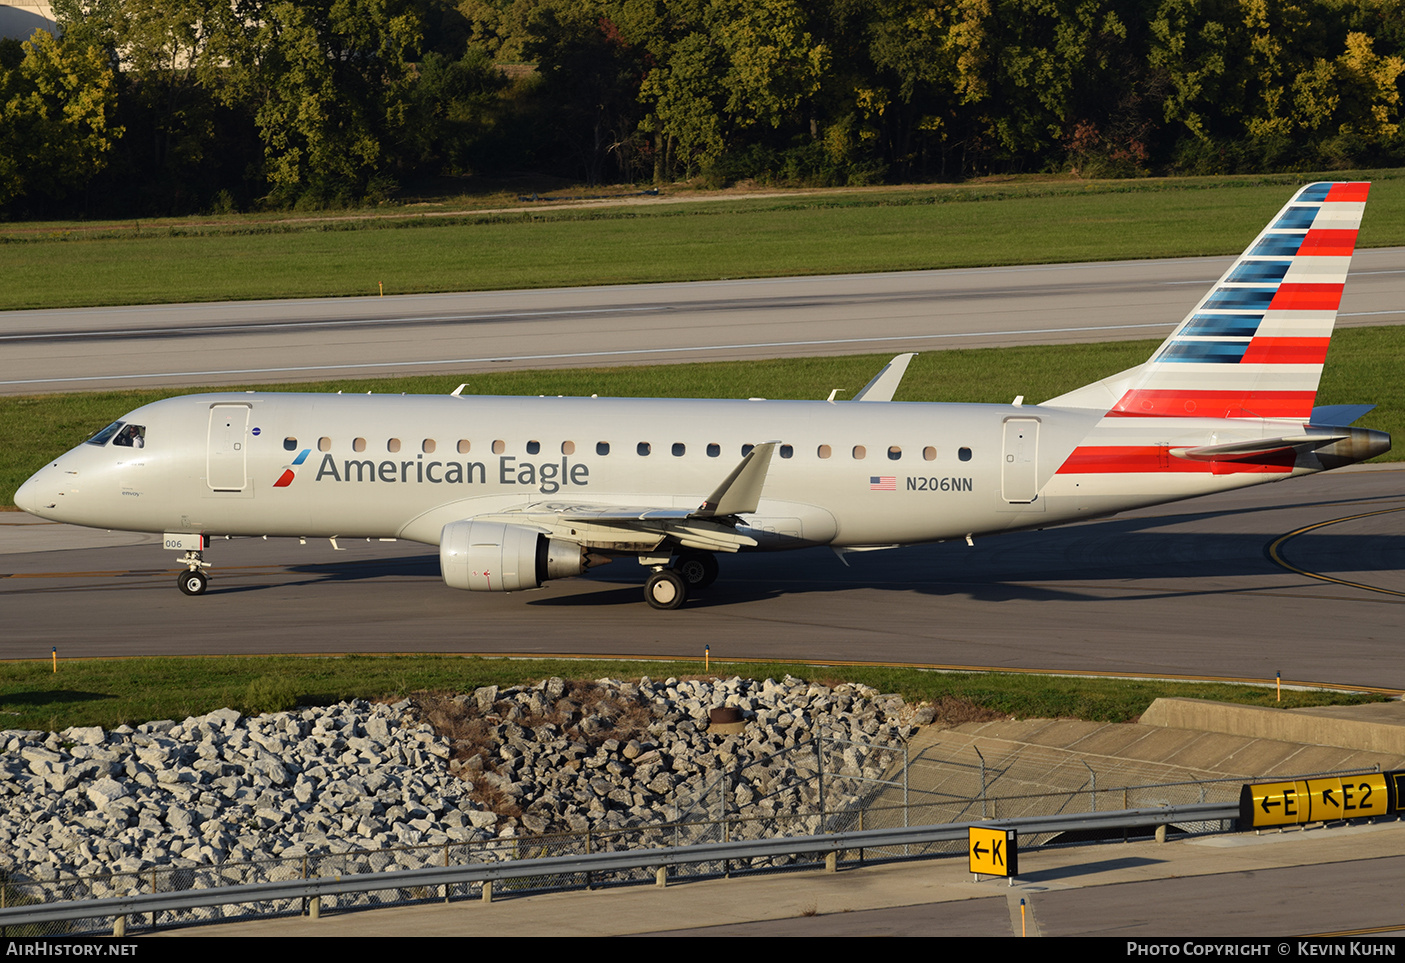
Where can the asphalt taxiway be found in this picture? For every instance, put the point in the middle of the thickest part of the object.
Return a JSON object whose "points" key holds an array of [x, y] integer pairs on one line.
{"points": [[1218, 586]]}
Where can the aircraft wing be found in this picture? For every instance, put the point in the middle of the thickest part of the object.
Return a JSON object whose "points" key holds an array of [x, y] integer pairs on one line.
{"points": [[626, 529], [711, 527]]}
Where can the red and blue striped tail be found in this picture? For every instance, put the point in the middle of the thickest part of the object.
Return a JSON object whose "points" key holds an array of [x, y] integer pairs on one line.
{"points": [[1254, 346]]}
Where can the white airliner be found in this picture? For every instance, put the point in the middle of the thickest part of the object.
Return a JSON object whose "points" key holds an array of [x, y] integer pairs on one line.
{"points": [[516, 491]]}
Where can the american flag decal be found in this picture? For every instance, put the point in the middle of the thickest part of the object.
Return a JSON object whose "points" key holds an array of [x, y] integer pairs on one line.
{"points": [[882, 483]]}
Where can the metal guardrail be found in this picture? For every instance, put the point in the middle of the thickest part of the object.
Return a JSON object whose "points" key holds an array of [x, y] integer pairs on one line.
{"points": [[118, 908]]}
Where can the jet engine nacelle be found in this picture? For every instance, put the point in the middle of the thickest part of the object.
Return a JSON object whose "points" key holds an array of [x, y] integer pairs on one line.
{"points": [[497, 557]]}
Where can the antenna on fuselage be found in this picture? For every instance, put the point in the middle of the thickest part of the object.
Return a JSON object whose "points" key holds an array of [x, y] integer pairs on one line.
{"points": [[836, 391], [455, 393]]}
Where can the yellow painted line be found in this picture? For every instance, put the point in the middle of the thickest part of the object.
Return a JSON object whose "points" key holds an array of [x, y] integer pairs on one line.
{"points": [[1274, 554], [1368, 931]]}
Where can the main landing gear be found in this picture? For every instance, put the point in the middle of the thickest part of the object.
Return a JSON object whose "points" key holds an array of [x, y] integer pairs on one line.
{"points": [[668, 587]]}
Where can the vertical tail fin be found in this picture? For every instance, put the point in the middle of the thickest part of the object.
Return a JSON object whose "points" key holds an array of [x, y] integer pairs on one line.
{"points": [[1254, 345]]}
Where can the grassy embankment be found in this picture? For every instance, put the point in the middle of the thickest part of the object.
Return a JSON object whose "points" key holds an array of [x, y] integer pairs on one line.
{"points": [[110, 692], [410, 249]]}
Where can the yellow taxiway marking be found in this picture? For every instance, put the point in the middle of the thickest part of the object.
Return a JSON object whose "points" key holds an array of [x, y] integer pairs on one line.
{"points": [[1277, 557]]}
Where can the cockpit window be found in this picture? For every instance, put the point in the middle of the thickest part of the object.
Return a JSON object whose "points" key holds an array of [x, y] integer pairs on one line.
{"points": [[104, 436], [132, 436]]}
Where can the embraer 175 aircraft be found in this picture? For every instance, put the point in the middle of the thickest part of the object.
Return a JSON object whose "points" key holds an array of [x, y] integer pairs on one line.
{"points": [[516, 491]]}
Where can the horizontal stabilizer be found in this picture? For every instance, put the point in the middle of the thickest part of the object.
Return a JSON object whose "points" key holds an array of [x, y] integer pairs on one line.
{"points": [[885, 384], [1339, 414], [741, 491]]}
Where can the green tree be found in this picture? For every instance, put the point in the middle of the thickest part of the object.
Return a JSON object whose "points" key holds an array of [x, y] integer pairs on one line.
{"points": [[453, 105], [330, 83], [55, 110]]}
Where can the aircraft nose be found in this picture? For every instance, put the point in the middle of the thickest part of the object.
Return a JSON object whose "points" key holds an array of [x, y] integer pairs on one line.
{"points": [[29, 497]]}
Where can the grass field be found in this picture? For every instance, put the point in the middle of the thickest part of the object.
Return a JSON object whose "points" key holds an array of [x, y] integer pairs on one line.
{"points": [[112, 692], [413, 251]]}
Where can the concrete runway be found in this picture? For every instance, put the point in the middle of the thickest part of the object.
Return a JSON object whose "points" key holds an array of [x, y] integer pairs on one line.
{"points": [[282, 341], [1179, 590]]}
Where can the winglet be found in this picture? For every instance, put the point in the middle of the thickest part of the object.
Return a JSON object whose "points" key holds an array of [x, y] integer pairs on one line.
{"points": [[885, 384], [741, 491]]}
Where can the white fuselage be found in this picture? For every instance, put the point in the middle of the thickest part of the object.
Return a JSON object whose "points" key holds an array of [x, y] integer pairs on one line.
{"points": [[846, 474]]}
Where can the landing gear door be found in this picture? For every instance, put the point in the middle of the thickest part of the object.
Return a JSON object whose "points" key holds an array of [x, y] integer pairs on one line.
{"points": [[1019, 460], [226, 462]]}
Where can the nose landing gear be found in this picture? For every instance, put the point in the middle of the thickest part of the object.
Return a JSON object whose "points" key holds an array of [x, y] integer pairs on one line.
{"points": [[193, 581]]}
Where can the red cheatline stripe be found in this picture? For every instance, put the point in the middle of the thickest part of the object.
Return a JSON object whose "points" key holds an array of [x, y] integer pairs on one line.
{"points": [[1352, 191], [1328, 242], [1143, 459], [1286, 351], [1126, 458], [1214, 403], [1307, 297]]}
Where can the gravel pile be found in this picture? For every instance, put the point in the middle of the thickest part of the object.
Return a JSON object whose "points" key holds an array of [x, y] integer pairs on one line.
{"points": [[561, 755]]}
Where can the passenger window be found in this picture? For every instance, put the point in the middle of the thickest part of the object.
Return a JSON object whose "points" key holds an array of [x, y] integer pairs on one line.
{"points": [[392, 445], [824, 451], [679, 449], [929, 453], [746, 450], [464, 446], [358, 444], [602, 447], [714, 450], [860, 451], [568, 448], [787, 451], [499, 447], [324, 444], [132, 436], [642, 448], [428, 446], [534, 447], [894, 452], [964, 454], [290, 444]]}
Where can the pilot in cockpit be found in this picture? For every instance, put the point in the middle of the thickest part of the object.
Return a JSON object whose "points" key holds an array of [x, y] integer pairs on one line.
{"points": [[132, 436]]}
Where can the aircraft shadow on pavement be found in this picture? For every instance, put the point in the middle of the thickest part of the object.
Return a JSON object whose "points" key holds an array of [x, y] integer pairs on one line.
{"points": [[1058, 564], [1062, 564]]}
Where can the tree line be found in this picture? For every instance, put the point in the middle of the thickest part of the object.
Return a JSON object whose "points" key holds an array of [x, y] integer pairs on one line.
{"points": [[173, 106]]}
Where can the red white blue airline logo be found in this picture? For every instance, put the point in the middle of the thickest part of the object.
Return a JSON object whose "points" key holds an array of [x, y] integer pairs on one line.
{"points": [[288, 475]]}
